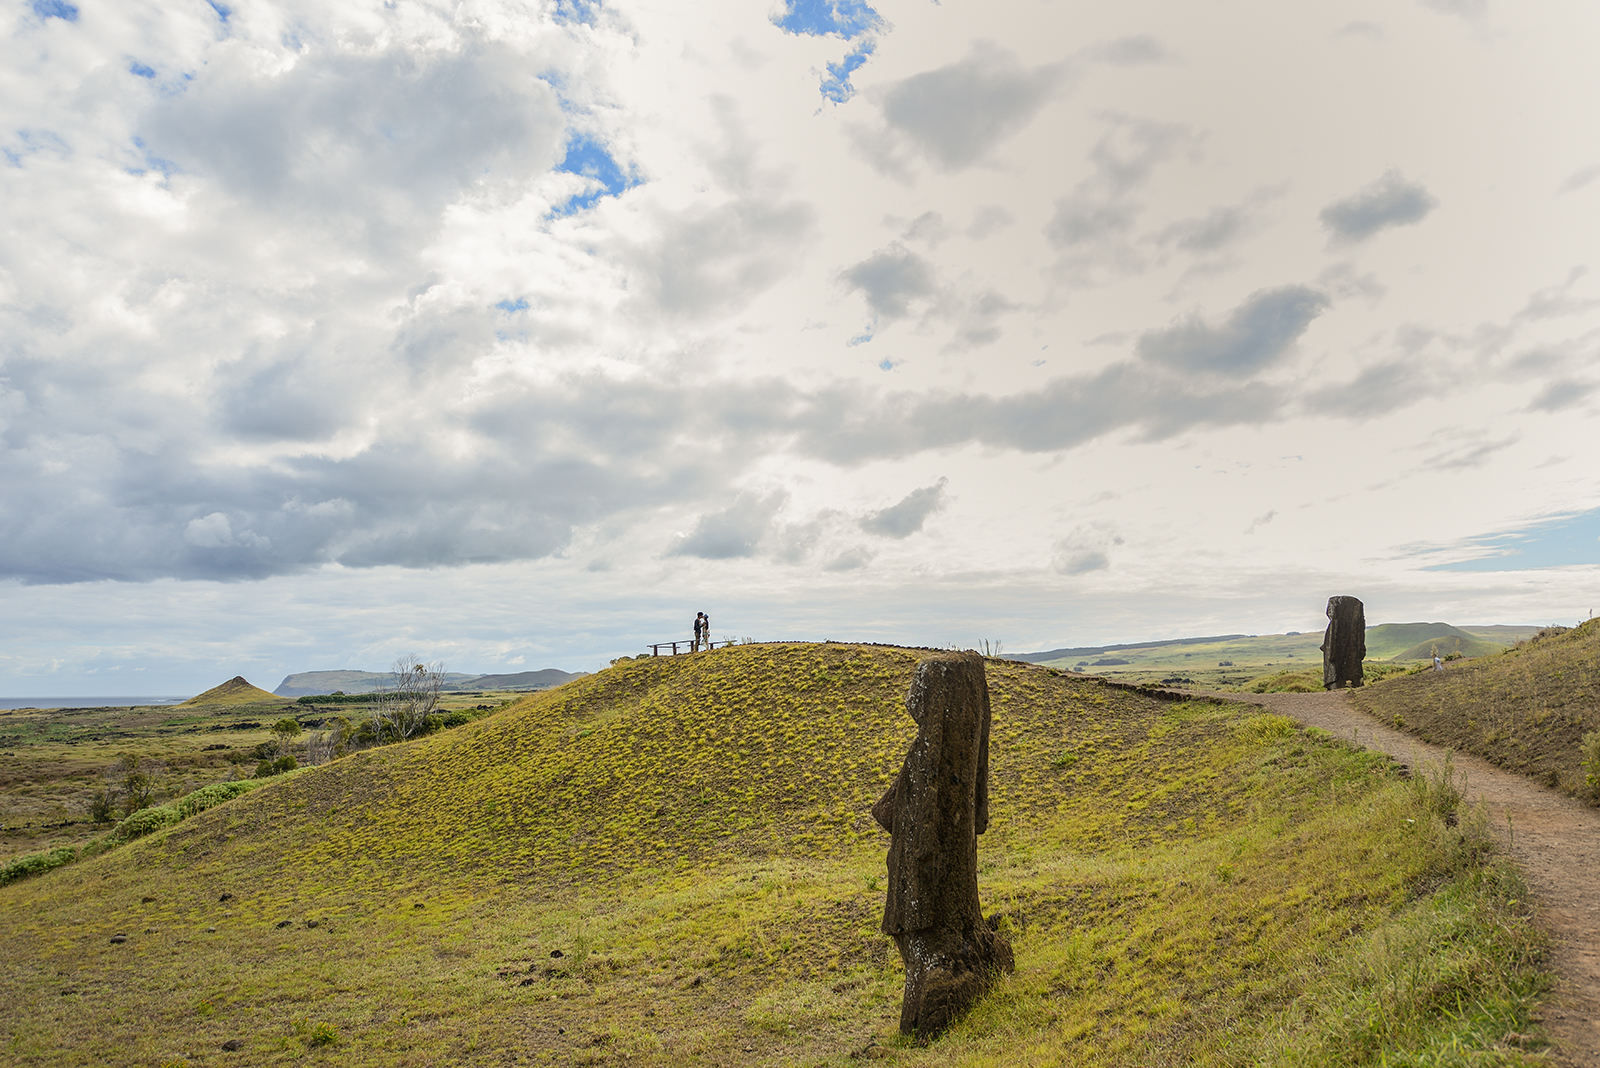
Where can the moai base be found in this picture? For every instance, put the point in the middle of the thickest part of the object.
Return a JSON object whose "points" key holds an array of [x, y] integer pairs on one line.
{"points": [[935, 810], [1344, 645]]}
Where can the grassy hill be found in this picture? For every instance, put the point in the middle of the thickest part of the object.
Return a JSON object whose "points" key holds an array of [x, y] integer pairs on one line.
{"points": [[1417, 641], [1526, 708], [236, 691], [671, 862]]}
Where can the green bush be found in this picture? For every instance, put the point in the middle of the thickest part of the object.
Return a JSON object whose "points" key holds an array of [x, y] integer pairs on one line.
{"points": [[268, 768], [37, 863], [1287, 682], [147, 821], [1591, 765], [1373, 671], [444, 720], [102, 807], [215, 794], [144, 821]]}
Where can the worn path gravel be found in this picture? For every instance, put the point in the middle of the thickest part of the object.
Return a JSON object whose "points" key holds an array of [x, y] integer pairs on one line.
{"points": [[1554, 839]]}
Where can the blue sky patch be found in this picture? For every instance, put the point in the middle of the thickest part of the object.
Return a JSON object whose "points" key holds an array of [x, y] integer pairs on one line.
{"points": [[165, 167], [1560, 542], [589, 158], [828, 18], [836, 86], [510, 306], [224, 12], [55, 9], [582, 12], [141, 70]]}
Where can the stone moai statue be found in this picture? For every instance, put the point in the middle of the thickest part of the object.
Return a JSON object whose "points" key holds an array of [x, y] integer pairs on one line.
{"points": [[1344, 645], [935, 810]]}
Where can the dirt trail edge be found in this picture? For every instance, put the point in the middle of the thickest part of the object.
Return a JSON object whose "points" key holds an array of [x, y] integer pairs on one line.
{"points": [[1554, 839]]}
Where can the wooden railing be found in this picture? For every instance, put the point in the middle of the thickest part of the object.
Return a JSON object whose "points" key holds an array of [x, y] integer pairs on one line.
{"points": [[689, 645]]}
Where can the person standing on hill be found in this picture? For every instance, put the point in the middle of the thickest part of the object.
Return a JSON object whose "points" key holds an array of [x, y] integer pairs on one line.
{"points": [[694, 646], [1438, 665], [705, 629]]}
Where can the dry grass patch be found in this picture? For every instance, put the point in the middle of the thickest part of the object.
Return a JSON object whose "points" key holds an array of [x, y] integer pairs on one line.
{"points": [[1526, 709]]}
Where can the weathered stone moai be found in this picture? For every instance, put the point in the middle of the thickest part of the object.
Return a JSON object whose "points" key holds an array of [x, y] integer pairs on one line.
{"points": [[935, 810], [1344, 645]]}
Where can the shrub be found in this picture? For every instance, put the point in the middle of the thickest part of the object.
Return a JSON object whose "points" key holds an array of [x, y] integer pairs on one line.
{"points": [[284, 732], [268, 768], [1591, 765], [102, 807], [1373, 671], [208, 796], [1287, 682], [444, 720], [320, 1034], [147, 821], [37, 863]]}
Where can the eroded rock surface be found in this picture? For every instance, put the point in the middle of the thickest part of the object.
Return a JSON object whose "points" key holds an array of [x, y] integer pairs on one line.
{"points": [[935, 809]]}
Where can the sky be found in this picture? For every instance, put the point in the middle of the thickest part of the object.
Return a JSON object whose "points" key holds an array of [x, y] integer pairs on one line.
{"points": [[510, 334]]}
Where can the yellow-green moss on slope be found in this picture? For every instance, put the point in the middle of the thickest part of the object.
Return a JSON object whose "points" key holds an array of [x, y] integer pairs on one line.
{"points": [[690, 836]]}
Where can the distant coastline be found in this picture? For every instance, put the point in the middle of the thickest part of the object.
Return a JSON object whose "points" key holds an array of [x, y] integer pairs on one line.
{"points": [[86, 702]]}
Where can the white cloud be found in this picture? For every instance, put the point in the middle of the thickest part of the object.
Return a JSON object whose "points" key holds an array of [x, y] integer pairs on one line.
{"points": [[209, 532], [342, 301]]}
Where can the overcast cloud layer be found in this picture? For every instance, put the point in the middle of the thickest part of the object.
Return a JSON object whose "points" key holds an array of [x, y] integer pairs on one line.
{"points": [[515, 333]]}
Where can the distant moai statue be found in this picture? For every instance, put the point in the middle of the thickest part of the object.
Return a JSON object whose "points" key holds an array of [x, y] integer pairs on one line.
{"points": [[935, 810], [1344, 644]]}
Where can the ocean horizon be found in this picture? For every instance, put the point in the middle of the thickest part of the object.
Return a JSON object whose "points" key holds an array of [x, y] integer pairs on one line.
{"points": [[86, 702]]}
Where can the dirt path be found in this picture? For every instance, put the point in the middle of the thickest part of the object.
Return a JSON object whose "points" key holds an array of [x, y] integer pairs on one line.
{"points": [[1554, 839]]}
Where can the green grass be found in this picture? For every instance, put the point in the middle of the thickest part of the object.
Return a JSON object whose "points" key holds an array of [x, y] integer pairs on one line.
{"points": [[53, 760], [1526, 709], [672, 862]]}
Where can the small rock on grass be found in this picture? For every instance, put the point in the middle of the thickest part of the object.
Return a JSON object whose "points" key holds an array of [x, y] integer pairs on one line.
{"points": [[118, 939], [233, 1044]]}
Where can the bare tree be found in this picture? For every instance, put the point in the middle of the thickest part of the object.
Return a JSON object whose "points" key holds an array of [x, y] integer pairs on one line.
{"points": [[407, 699]]}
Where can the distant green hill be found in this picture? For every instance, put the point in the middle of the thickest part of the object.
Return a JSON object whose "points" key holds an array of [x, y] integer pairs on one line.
{"points": [[315, 683], [1401, 641], [1448, 646]]}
